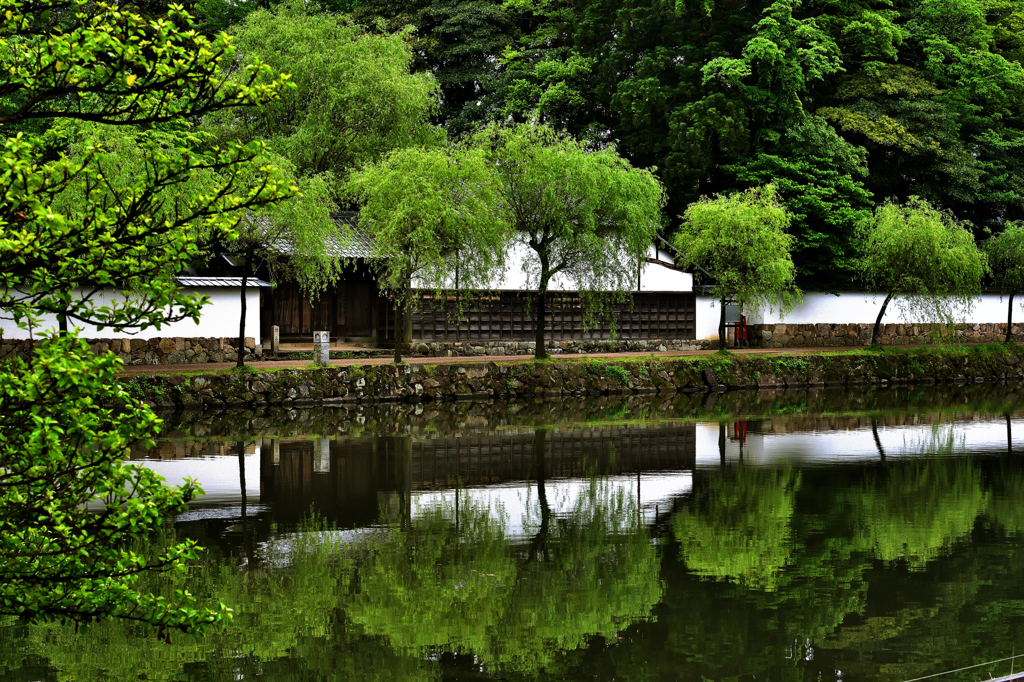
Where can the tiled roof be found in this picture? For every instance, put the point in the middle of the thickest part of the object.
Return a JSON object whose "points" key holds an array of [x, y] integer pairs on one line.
{"points": [[348, 242], [358, 244], [220, 282]]}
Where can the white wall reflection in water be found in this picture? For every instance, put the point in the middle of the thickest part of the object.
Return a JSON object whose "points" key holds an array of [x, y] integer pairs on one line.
{"points": [[523, 510], [756, 447]]}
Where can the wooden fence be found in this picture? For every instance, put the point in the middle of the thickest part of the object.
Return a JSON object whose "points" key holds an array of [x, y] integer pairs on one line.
{"points": [[509, 316]]}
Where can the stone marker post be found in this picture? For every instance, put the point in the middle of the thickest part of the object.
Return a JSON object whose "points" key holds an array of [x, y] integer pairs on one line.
{"points": [[321, 348], [275, 339]]}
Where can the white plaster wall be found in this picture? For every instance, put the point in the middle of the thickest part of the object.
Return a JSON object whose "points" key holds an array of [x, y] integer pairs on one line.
{"points": [[219, 318], [862, 308], [708, 313], [653, 277]]}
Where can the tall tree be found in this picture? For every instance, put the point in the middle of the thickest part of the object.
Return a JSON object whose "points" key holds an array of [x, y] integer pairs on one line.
{"points": [[1005, 253], [431, 214], [354, 98], [586, 216], [64, 422], [924, 256], [741, 241], [295, 239]]}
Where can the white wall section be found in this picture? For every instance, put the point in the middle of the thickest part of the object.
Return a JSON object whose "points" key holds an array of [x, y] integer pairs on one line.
{"points": [[219, 318]]}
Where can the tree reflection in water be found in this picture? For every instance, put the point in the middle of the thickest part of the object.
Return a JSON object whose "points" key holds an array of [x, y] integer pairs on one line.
{"points": [[886, 568], [515, 604]]}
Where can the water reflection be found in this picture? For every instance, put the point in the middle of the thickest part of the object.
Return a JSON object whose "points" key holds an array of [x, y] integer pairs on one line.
{"points": [[638, 540]]}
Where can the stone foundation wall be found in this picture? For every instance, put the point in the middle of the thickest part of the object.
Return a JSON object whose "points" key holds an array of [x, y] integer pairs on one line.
{"points": [[829, 335], [575, 378], [156, 351], [470, 349], [196, 351]]}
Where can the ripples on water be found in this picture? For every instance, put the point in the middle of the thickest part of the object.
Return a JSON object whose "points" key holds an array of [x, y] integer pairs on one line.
{"points": [[782, 535]]}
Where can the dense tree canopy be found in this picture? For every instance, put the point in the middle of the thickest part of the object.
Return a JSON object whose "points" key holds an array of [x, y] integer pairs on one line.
{"points": [[354, 97]]}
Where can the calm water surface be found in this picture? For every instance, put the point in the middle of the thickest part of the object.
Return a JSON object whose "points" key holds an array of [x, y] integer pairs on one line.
{"points": [[781, 535]]}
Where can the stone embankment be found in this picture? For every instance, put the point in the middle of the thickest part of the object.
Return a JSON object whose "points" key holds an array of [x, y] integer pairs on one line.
{"points": [[572, 347], [838, 335], [156, 351], [376, 383], [198, 351]]}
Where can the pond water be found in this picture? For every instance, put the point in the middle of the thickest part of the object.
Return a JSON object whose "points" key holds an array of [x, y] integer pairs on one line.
{"points": [[773, 535]]}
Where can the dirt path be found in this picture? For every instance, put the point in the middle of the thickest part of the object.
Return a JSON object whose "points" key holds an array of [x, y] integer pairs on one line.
{"points": [[283, 364]]}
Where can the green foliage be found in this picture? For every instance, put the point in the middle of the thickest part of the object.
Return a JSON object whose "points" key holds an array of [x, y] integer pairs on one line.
{"points": [[118, 192], [923, 256], [442, 587], [60, 558], [617, 372], [586, 216], [354, 97], [434, 214], [741, 241], [742, 532], [1005, 253], [98, 217], [921, 508]]}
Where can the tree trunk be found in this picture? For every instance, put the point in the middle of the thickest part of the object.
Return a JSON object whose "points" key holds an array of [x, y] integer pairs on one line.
{"points": [[721, 442], [539, 544], [721, 327], [241, 323], [399, 331], [1009, 319], [62, 325], [1009, 436], [540, 304], [878, 321], [878, 441]]}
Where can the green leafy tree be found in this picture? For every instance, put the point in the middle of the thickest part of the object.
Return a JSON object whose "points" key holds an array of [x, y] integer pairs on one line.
{"points": [[1005, 253], [432, 213], [70, 508], [455, 40], [354, 98], [65, 423], [587, 216], [741, 241], [923, 255], [296, 239]]}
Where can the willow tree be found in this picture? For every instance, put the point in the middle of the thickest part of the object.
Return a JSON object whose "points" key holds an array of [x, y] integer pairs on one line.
{"points": [[924, 256], [586, 215], [429, 213], [741, 241], [1005, 254], [296, 238], [354, 97]]}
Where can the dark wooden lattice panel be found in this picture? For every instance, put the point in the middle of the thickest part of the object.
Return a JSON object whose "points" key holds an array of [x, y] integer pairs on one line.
{"points": [[509, 316]]}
